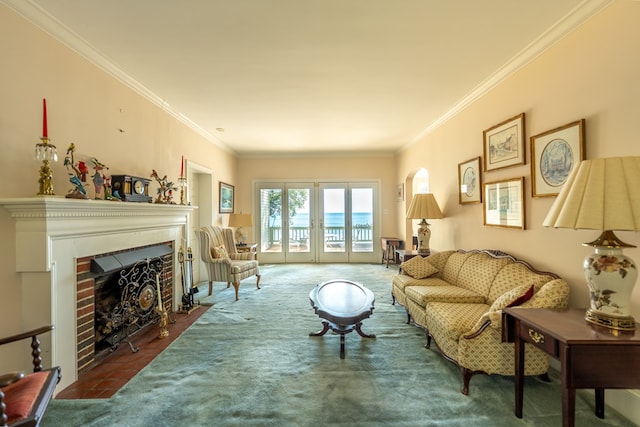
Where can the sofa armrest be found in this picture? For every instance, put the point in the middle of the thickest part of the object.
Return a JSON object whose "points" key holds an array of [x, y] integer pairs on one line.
{"points": [[483, 323]]}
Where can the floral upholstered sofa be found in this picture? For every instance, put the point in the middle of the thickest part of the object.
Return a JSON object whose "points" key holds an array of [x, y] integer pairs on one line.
{"points": [[457, 297]]}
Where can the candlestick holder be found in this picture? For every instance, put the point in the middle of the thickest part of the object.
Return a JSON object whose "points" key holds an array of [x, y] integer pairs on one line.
{"points": [[182, 183], [46, 153]]}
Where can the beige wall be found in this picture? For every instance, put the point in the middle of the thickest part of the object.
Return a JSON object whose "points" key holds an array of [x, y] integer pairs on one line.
{"points": [[380, 168], [86, 107], [592, 74]]}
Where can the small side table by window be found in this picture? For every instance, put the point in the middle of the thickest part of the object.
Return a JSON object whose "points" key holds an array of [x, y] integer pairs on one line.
{"points": [[591, 356], [389, 246], [249, 247]]}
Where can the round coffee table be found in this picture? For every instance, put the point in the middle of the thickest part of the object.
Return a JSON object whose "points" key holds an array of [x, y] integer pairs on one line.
{"points": [[343, 304]]}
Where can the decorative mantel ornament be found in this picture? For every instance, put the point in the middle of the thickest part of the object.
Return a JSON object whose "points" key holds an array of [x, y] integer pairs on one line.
{"points": [[46, 153], [77, 174], [165, 189]]}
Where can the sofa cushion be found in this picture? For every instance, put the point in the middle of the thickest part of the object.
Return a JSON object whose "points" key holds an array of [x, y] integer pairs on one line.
{"points": [[447, 322], [439, 260], [453, 265], [478, 271], [401, 281], [444, 293], [418, 268]]}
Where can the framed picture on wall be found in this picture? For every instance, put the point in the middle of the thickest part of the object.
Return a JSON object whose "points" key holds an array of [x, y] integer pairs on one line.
{"points": [[400, 192], [469, 182], [554, 154], [503, 144], [226, 197], [504, 203]]}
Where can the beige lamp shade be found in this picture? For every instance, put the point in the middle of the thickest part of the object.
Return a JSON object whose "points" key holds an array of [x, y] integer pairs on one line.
{"points": [[600, 194], [240, 220], [424, 206], [604, 194]]}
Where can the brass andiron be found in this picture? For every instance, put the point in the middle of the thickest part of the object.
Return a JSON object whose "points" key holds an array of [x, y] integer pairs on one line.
{"points": [[164, 323], [46, 153], [164, 315]]}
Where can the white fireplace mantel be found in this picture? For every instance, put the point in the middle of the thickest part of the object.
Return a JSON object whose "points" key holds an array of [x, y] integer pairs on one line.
{"points": [[52, 232]]}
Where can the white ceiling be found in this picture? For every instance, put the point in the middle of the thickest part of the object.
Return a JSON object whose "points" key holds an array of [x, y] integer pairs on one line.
{"points": [[309, 76]]}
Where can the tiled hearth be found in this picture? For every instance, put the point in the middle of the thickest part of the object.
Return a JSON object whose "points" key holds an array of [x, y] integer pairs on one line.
{"points": [[114, 370]]}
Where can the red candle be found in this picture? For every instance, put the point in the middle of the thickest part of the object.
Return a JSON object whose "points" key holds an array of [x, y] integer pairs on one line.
{"points": [[182, 167], [44, 118]]}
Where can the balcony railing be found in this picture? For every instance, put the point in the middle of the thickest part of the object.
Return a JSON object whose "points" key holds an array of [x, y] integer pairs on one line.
{"points": [[361, 236]]}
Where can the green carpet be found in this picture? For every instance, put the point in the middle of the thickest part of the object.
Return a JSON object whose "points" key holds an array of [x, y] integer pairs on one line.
{"points": [[252, 363]]}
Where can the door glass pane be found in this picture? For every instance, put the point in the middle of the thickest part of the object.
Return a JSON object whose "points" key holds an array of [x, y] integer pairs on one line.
{"points": [[334, 219], [271, 220], [362, 220], [299, 219]]}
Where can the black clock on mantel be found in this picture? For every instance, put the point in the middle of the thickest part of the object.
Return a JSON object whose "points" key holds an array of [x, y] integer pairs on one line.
{"points": [[131, 188]]}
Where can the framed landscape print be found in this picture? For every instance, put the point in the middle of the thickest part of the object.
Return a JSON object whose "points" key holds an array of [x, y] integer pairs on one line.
{"points": [[503, 144], [554, 154], [504, 203], [226, 197], [469, 181]]}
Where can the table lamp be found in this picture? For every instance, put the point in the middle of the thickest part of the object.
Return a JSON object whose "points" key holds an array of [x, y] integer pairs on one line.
{"points": [[424, 206], [604, 194], [238, 221]]}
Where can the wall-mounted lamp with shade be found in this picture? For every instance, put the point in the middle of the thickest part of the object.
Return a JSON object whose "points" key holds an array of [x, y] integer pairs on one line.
{"points": [[424, 206], [238, 221], [604, 194]]}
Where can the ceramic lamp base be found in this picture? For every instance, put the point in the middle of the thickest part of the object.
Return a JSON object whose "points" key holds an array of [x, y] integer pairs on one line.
{"points": [[611, 277], [613, 322], [424, 235]]}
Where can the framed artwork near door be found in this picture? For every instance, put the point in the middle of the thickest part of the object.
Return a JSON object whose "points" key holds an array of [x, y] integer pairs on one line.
{"points": [[469, 181], [226, 197]]}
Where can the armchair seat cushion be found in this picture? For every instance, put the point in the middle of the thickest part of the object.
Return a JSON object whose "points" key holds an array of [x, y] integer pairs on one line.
{"points": [[241, 266]]}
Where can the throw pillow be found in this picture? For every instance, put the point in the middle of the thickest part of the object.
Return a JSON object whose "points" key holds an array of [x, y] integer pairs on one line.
{"points": [[219, 252], [511, 298], [418, 267]]}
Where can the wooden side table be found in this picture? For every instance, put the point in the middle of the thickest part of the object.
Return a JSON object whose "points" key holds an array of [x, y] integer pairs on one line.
{"points": [[249, 247], [389, 246], [590, 356]]}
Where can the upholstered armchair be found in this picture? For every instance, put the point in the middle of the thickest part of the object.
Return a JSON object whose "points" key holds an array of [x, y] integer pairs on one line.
{"points": [[24, 398], [224, 263]]}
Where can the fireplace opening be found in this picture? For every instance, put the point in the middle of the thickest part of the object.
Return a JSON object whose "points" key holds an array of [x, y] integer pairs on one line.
{"points": [[120, 294]]}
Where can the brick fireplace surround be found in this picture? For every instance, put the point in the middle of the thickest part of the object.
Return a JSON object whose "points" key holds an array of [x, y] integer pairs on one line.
{"points": [[53, 235]]}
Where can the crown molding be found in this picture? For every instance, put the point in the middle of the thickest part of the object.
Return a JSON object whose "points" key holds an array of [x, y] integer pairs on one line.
{"points": [[56, 29], [570, 22]]}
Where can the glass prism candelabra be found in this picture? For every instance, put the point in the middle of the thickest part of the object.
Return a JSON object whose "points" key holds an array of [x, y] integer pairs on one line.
{"points": [[46, 153]]}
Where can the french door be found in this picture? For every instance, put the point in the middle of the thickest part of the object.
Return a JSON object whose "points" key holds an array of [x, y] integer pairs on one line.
{"points": [[317, 222]]}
